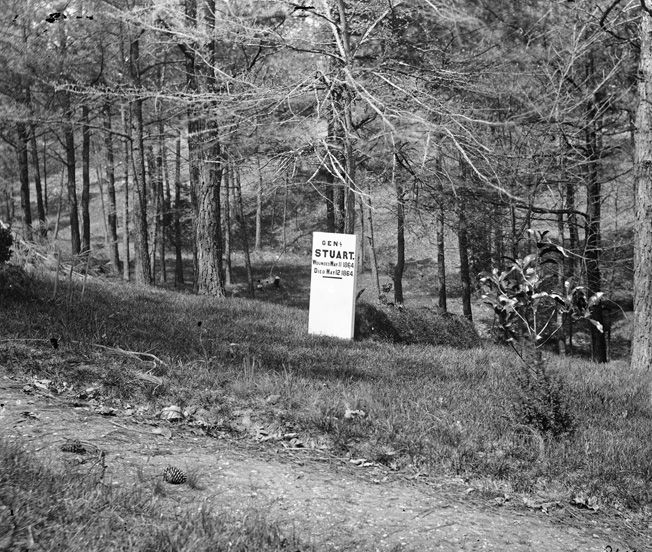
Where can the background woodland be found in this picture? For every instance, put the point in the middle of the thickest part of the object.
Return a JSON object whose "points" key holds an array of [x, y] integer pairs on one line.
{"points": [[206, 127]]}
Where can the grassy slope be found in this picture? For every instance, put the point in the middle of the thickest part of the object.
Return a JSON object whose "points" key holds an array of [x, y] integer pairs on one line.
{"points": [[439, 410]]}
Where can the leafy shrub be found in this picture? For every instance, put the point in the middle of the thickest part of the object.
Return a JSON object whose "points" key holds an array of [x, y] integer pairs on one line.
{"points": [[524, 304], [6, 241], [541, 401], [14, 281]]}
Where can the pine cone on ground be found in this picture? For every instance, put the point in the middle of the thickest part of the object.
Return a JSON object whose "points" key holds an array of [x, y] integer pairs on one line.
{"points": [[173, 475], [73, 446]]}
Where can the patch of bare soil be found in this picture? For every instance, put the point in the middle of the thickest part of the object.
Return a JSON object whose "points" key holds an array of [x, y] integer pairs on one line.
{"points": [[324, 499]]}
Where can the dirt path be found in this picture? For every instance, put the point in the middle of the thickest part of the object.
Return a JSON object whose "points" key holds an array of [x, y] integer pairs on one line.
{"points": [[327, 500]]}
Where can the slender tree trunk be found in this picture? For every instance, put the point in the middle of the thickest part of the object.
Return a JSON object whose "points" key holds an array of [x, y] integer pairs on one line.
{"points": [[338, 195], [363, 236], [514, 232], [441, 257], [45, 176], [126, 124], [499, 245], [75, 237], [400, 238], [98, 176], [228, 179], [155, 231], [243, 231], [259, 208], [40, 206], [86, 181], [178, 264], [143, 269], [161, 169], [112, 217], [329, 194], [23, 171], [462, 235], [372, 247], [641, 361]]}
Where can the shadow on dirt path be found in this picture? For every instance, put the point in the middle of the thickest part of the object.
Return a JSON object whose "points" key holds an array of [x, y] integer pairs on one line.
{"points": [[324, 499]]}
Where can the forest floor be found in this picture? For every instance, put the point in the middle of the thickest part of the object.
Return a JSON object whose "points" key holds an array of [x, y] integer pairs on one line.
{"points": [[329, 502]]}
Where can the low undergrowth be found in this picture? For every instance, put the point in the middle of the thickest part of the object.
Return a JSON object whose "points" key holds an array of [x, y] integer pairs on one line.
{"points": [[45, 508], [435, 409]]}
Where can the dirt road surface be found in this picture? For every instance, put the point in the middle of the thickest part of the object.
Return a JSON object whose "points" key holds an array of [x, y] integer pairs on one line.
{"points": [[326, 500]]}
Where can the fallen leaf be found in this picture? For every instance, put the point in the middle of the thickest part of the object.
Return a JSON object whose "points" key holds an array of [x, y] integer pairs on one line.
{"points": [[171, 413], [273, 399], [350, 414], [162, 431]]}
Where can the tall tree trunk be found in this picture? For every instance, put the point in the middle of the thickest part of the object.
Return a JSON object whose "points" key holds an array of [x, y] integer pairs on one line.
{"points": [[75, 237], [143, 273], [463, 244], [45, 176], [372, 247], [641, 361], [499, 245], [40, 206], [441, 257], [178, 263], [128, 155], [112, 217], [400, 238], [259, 208], [210, 280], [195, 129], [162, 203], [23, 171], [86, 181], [155, 231], [228, 180]]}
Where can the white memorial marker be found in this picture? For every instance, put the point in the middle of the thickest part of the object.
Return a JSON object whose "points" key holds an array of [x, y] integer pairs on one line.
{"points": [[332, 285]]}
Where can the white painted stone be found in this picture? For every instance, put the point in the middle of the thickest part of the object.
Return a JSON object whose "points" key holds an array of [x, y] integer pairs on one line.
{"points": [[333, 284]]}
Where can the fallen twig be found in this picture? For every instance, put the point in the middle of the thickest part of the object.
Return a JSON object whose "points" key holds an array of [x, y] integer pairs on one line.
{"points": [[133, 354]]}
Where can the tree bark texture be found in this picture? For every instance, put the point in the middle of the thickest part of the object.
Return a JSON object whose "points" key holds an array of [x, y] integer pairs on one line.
{"points": [[23, 172], [143, 274], [86, 181], [372, 247], [208, 234], [441, 258], [228, 186], [400, 242], [642, 339], [75, 237], [112, 215], [40, 206], [126, 125], [463, 243], [178, 262]]}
